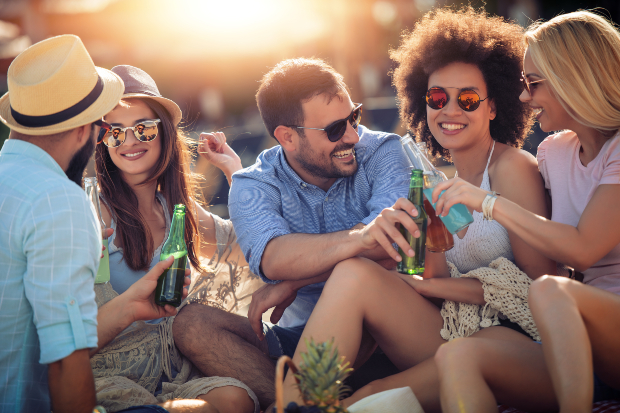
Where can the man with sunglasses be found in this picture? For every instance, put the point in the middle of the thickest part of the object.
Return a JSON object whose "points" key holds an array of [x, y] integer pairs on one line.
{"points": [[303, 207]]}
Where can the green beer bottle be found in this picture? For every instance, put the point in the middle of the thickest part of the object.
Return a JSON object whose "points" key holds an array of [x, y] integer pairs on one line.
{"points": [[415, 264], [169, 288]]}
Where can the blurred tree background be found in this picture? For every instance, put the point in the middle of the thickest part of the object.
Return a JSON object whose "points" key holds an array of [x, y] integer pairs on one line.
{"points": [[209, 55]]}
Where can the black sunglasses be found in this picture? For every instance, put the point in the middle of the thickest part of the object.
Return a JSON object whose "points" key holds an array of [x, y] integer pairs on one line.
{"points": [[335, 131], [468, 100]]}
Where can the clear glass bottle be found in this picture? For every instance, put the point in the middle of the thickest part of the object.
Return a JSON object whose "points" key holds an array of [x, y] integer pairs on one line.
{"points": [[92, 191], [459, 216]]}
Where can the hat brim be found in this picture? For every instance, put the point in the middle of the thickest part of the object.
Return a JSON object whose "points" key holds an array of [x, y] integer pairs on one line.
{"points": [[170, 105], [111, 94]]}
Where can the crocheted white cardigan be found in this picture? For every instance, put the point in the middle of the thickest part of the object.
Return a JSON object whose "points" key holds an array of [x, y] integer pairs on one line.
{"points": [[505, 292]]}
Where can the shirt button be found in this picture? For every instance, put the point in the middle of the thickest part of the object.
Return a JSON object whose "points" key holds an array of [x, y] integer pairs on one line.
{"points": [[71, 302], [326, 199], [303, 184]]}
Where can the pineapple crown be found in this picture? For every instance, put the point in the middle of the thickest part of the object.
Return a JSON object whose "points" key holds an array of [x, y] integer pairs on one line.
{"points": [[321, 375]]}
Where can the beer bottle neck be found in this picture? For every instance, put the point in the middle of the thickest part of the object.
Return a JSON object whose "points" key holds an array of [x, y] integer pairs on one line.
{"points": [[415, 187], [177, 227], [416, 195]]}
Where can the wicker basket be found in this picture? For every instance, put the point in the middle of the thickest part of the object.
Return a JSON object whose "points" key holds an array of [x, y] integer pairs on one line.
{"points": [[280, 380]]}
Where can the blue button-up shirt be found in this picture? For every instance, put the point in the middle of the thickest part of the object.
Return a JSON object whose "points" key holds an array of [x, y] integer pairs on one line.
{"points": [[269, 199], [50, 244]]}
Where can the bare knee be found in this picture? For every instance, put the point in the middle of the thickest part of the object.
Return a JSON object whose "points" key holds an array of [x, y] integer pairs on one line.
{"points": [[195, 322], [185, 405], [546, 290], [457, 354], [354, 273], [229, 399]]}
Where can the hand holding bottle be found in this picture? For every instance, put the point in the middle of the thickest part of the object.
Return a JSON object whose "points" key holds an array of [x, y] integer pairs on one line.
{"points": [[382, 231], [139, 297], [107, 233], [457, 191]]}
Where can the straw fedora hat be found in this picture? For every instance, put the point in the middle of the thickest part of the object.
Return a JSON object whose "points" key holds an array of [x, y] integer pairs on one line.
{"points": [[54, 86], [138, 84]]}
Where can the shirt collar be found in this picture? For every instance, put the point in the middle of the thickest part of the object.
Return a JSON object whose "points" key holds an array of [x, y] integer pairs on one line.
{"points": [[28, 150]]}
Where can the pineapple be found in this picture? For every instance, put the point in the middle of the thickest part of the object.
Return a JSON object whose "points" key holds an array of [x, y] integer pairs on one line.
{"points": [[320, 377]]}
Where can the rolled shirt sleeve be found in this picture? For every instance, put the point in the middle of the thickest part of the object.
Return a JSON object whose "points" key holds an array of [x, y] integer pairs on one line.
{"points": [[62, 243], [254, 212]]}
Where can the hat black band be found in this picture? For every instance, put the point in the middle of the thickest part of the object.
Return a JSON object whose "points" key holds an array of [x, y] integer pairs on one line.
{"points": [[63, 115]]}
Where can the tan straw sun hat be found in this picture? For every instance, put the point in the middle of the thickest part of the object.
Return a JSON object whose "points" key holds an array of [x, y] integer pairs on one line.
{"points": [[138, 84], [54, 86]]}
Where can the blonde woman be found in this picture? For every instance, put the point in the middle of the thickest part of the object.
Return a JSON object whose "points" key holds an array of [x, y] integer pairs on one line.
{"points": [[571, 79]]}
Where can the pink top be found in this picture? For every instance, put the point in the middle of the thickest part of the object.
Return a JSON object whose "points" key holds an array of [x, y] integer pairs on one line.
{"points": [[571, 186]]}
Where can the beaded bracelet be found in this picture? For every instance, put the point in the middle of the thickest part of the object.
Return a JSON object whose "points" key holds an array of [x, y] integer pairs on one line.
{"points": [[487, 205]]}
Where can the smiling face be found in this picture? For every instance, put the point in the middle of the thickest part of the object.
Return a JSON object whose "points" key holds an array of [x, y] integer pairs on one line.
{"points": [[549, 112], [133, 157], [315, 159], [453, 127]]}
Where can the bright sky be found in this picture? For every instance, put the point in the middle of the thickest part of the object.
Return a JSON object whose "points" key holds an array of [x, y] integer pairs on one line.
{"points": [[237, 26]]}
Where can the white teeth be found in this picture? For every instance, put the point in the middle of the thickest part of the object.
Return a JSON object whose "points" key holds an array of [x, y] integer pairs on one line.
{"points": [[343, 154], [131, 155], [538, 111], [452, 126]]}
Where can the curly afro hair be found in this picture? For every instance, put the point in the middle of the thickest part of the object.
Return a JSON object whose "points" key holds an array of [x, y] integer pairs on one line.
{"points": [[445, 36]]}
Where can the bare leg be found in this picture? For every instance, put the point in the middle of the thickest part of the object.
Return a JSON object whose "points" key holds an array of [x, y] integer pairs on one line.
{"points": [[361, 294], [223, 344], [229, 399], [494, 365], [566, 311], [188, 406], [422, 378]]}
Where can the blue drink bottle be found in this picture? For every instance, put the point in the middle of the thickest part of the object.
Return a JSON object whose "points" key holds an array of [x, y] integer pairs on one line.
{"points": [[459, 217]]}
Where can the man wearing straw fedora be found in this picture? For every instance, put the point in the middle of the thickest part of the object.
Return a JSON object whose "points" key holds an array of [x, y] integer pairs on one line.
{"points": [[50, 242]]}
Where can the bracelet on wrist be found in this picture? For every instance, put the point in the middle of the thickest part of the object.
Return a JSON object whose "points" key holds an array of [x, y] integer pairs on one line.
{"points": [[487, 205]]}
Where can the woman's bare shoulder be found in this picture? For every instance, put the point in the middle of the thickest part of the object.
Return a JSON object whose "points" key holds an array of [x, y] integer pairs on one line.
{"points": [[515, 173], [513, 161]]}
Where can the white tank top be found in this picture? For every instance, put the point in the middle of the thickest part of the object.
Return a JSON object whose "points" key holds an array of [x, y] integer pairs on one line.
{"points": [[484, 240]]}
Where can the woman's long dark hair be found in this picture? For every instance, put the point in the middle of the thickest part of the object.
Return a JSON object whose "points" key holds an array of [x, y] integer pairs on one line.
{"points": [[174, 180]]}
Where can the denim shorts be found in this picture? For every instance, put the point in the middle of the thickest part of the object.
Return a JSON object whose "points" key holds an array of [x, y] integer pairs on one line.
{"points": [[282, 341]]}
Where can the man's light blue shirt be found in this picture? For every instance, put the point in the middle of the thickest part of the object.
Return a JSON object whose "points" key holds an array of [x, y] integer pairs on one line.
{"points": [[268, 200], [50, 244]]}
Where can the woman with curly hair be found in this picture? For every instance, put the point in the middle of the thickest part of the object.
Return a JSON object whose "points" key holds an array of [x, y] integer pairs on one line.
{"points": [[571, 80], [458, 83]]}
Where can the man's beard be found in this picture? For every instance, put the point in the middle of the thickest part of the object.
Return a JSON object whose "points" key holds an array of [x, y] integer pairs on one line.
{"points": [[323, 168], [78, 163]]}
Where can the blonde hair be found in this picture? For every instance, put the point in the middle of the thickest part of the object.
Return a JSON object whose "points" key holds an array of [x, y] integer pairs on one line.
{"points": [[579, 55]]}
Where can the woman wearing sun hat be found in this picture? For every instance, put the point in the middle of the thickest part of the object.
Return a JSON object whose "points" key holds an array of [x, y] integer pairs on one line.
{"points": [[143, 168]]}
